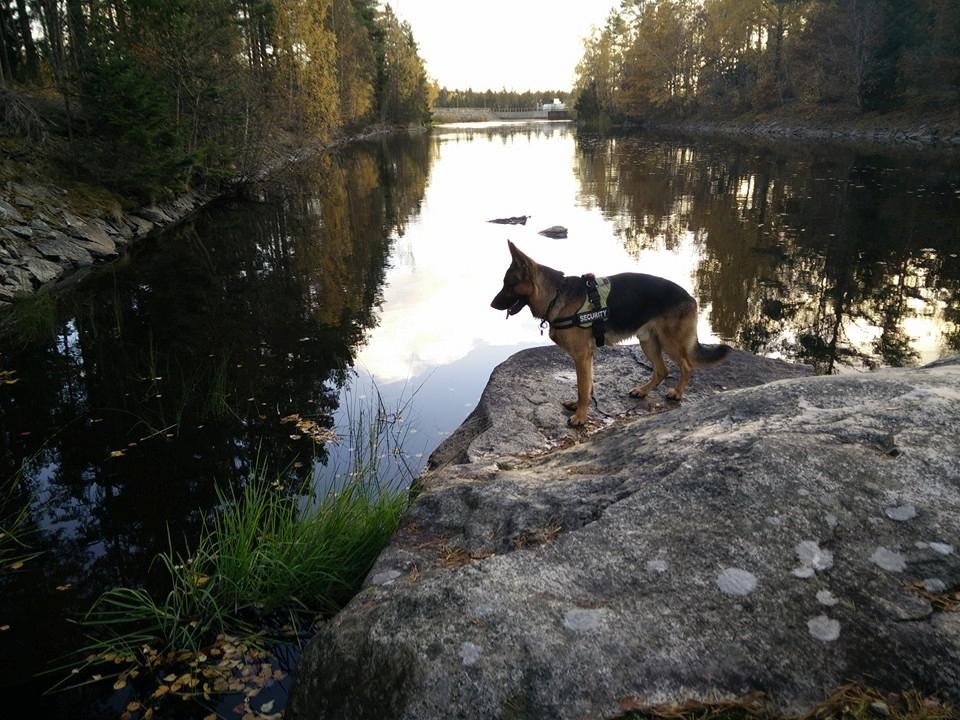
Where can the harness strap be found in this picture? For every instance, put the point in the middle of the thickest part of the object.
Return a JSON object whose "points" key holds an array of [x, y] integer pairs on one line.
{"points": [[594, 317]]}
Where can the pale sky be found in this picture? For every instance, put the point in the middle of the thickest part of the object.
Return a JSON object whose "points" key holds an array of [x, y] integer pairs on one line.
{"points": [[517, 44]]}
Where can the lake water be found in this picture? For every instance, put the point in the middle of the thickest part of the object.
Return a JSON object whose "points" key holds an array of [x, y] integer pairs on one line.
{"points": [[162, 376]]}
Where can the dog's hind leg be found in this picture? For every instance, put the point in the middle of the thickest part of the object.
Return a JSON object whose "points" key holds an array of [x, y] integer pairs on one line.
{"points": [[683, 348], [651, 348], [686, 371]]}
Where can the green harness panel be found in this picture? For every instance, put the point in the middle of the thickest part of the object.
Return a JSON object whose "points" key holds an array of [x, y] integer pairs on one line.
{"points": [[593, 312]]}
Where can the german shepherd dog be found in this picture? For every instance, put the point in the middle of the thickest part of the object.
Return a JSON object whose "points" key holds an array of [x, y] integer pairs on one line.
{"points": [[659, 312]]}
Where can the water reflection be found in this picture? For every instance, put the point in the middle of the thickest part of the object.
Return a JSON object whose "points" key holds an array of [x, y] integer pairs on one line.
{"points": [[833, 258], [167, 374]]}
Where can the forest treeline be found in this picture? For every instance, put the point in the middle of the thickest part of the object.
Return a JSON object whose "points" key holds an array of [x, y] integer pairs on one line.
{"points": [[152, 95], [497, 99], [680, 58]]}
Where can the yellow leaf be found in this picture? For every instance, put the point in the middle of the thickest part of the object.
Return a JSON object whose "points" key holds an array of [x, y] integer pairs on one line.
{"points": [[4, 628], [202, 580], [120, 684], [97, 676], [134, 706], [148, 715], [170, 678], [64, 587], [117, 453], [161, 691], [17, 565]]}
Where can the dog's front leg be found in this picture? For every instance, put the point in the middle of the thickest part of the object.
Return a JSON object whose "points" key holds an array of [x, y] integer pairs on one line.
{"points": [[584, 363]]}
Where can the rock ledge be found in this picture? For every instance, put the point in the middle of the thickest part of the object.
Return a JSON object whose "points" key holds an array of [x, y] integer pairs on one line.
{"points": [[788, 538]]}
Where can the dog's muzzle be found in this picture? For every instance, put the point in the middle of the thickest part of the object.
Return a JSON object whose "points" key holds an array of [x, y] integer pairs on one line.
{"points": [[509, 302]]}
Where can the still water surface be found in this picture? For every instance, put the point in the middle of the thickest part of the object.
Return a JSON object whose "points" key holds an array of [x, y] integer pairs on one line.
{"points": [[163, 375]]}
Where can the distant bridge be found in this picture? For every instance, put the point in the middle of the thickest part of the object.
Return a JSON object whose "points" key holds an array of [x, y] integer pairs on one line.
{"points": [[476, 114]]}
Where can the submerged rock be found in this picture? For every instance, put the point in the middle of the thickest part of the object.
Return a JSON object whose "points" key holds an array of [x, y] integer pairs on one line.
{"points": [[555, 231], [514, 220], [640, 560]]}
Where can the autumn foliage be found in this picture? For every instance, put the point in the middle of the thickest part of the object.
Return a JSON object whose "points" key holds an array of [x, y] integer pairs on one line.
{"points": [[680, 58], [155, 95]]}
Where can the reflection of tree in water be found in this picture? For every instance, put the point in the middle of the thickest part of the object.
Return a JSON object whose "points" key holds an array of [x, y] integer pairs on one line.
{"points": [[170, 370], [825, 258]]}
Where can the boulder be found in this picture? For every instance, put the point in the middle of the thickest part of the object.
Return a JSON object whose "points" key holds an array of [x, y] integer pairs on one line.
{"points": [[14, 281], [8, 213], [155, 214], [787, 537], [94, 240], [140, 226], [58, 246], [554, 231], [42, 270]]}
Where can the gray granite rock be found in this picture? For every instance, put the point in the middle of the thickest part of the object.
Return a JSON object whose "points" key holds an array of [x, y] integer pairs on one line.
{"points": [[58, 246], [559, 612], [94, 240], [141, 226], [8, 213], [155, 214], [42, 270], [14, 281]]}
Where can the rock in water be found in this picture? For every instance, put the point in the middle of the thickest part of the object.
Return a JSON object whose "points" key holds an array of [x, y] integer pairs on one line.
{"points": [[640, 560], [515, 220], [556, 231]]}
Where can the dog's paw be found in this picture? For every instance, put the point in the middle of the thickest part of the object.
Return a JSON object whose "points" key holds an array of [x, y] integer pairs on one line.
{"points": [[575, 421], [638, 392], [672, 394], [570, 405]]}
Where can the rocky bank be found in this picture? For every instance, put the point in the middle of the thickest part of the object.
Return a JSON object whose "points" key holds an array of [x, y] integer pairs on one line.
{"points": [[44, 238], [776, 532], [41, 239]]}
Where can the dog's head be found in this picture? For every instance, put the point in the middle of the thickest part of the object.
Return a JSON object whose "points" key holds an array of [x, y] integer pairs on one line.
{"points": [[517, 283]]}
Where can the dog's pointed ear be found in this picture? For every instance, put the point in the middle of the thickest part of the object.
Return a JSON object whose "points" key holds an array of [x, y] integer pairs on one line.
{"points": [[519, 259]]}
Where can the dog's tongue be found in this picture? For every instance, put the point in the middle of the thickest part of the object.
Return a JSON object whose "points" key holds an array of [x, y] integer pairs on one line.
{"points": [[515, 308]]}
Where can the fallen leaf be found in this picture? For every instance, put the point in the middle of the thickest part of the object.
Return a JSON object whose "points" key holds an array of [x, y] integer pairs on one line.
{"points": [[117, 453], [120, 684], [170, 678], [17, 565], [134, 706], [97, 676], [201, 581], [267, 706], [4, 628], [64, 587], [161, 691]]}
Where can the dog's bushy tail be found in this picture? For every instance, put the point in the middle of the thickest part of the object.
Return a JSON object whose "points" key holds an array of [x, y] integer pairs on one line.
{"points": [[710, 354]]}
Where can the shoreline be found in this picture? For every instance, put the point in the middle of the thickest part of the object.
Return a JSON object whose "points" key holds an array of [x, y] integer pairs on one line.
{"points": [[45, 243], [917, 137]]}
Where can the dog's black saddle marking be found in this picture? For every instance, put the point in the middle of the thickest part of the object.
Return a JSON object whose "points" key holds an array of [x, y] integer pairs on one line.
{"points": [[593, 312]]}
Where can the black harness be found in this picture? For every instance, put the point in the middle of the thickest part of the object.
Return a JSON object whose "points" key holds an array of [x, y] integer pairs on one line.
{"points": [[592, 314]]}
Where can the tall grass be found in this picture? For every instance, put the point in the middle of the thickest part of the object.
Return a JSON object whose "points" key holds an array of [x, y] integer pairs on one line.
{"points": [[14, 524], [269, 556]]}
